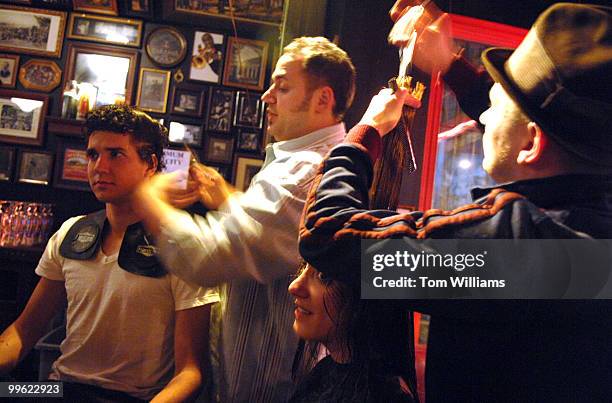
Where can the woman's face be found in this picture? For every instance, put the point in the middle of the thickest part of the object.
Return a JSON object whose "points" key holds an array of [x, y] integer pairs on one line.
{"points": [[313, 317]]}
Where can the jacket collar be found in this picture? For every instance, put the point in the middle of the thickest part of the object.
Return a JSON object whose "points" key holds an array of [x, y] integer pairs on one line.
{"points": [[557, 190]]}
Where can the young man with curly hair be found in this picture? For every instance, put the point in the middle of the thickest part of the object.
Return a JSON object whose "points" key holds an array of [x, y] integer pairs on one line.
{"points": [[133, 332]]}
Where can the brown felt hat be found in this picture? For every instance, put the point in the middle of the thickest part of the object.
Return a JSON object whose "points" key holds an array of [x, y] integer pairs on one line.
{"points": [[561, 77]]}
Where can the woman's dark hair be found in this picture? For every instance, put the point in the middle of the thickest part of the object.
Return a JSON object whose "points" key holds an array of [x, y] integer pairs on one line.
{"points": [[150, 136], [376, 335]]}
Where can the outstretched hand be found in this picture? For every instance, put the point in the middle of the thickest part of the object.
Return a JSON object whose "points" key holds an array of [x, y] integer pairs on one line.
{"points": [[385, 109]]}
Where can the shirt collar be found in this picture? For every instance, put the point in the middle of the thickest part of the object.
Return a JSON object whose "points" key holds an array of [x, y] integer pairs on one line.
{"points": [[328, 135], [556, 190]]}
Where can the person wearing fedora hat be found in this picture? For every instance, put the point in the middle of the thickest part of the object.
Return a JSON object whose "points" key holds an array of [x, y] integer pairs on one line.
{"points": [[548, 142]]}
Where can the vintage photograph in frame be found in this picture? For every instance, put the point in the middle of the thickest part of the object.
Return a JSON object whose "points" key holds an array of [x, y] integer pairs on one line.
{"points": [[110, 69], [245, 168], [248, 110], [96, 28], [219, 149], [166, 46], [8, 70], [96, 6], [207, 57], [32, 30], [248, 141], [41, 75], [7, 162], [35, 167], [185, 133], [22, 117], [187, 101], [71, 166], [220, 110], [153, 90], [207, 7], [245, 64]]}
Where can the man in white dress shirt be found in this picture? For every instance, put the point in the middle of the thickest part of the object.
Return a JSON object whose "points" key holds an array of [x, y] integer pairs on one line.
{"points": [[248, 241]]}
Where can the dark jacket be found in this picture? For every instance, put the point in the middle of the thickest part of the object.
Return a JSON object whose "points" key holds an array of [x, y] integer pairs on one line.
{"points": [[480, 350]]}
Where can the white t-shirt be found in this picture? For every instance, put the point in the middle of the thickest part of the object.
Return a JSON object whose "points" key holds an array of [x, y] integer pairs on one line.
{"points": [[120, 326]]}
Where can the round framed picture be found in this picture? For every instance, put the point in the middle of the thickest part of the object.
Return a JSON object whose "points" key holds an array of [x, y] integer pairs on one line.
{"points": [[166, 46]]}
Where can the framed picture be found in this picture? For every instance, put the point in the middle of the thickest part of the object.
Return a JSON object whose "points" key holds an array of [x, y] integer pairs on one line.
{"points": [[187, 101], [7, 161], [220, 110], [71, 166], [110, 69], [166, 46], [248, 110], [245, 66], [207, 7], [97, 28], [185, 133], [22, 117], [153, 90], [248, 141], [40, 74], [32, 30], [139, 8], [245, 168], [96, 6], [219, 149], [224, 170], [207, 57], [8, 70], [35, 167]]}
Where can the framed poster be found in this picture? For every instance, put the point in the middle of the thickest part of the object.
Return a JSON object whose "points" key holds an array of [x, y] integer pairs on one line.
{"points": [[245, 66], [166, 46], [153, 90], [71, 166], [248, 110], [22, 117], [8, 70], [139, 8], [35, 167], [32, 30], [220, 110], [219, 149], [7, 161], [96, 6], [245, 168], [39, 74], [207, 57], [187, 101], [110, 69], [96, 28]]}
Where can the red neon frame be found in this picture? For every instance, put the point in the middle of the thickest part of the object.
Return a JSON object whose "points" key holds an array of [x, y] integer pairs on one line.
{"points": [[472, 30]]}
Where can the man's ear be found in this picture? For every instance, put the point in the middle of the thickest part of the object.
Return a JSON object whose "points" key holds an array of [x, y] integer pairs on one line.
{"points": [[152, 169], [534, 149], [325, 99]]}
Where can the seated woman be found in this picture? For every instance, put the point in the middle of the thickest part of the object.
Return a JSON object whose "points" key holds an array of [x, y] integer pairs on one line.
{"points": [[367, 344]]}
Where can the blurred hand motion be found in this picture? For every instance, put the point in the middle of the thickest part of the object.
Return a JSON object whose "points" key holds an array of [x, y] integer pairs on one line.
{"points": [[435, 48], [211, 189]]}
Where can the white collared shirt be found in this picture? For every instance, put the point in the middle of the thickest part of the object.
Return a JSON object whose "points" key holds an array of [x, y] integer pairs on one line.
{"points": [[251, 245]]}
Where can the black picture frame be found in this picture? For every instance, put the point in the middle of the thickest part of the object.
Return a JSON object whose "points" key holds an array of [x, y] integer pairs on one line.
{"points": [[249, 110], [137, 8], [7, 163], [185, 133], [220, 110], [35, 167], [219, 149], [187, 101], [248, 141]]}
